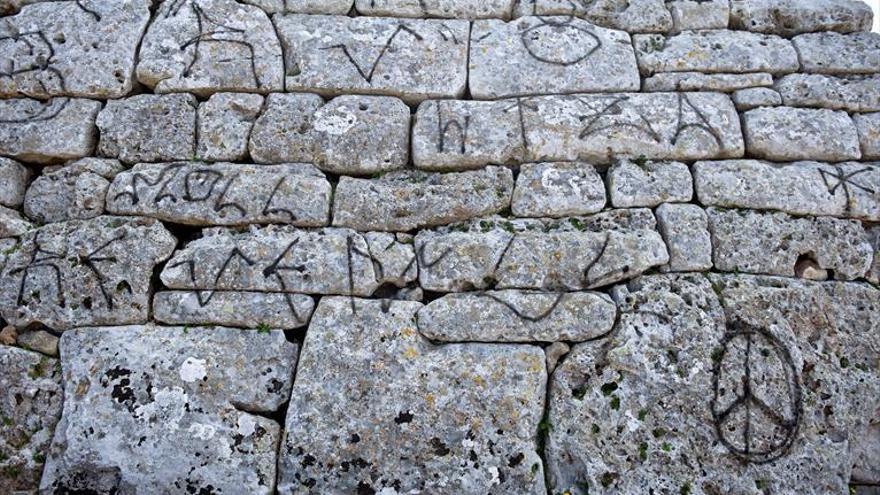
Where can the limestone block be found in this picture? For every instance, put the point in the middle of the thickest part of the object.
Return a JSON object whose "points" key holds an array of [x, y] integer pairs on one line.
{"points": [[149, 128], [786, 134], [685, 229], [75, 191], [233, 309], [48, 131], [14, 178], [557, 190], [224, 126], [635, 16], [698, 81], [690, 15], [850, 93], [834, 53], [749, 98], [448, 9], [648, 183], [790, 17], [868, 128]]}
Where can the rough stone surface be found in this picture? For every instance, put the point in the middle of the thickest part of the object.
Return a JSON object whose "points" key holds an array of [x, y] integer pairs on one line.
{"points": [[685, 229], [196, 193], [868, 128], [517, 316], [233, 309], [72, 48], [14, 179], [84, 272], [283, 131], [393, 258], [772, 243], [697, 81], [76, 191], [452, 9], [713, 51], [224, 126], [648, 183], [48, 131], [689, 15], [850, 93], [785, 134], [546, 55], [12, 224], [594, 128], [557, 190], [340, 7], [40, 341], [874, 238], [407, 200], [467, 414], [749, 98], [847, 189], [833, 53], [790, 17], [639, 16], [147, 406], [568, 254], [30, 405], [149, 128], [205, 46], [413, 60]]}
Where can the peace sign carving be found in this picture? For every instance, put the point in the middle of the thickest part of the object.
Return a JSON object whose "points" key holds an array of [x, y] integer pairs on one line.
{"points": [[757, 400]]}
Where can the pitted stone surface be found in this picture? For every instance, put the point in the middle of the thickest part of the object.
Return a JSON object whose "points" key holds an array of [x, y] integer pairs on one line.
{"points": [[548, 54], [283, 131], [790, 17], [340, 7], [557, 190], [48, 131], [834, 53], [394, 258], [14, 179], [749, 98], [786, 134], [147, 406], [641, 183], [517, 316], [413, 60], [594, 128], [849, 190], [84, 272], [75, 191], [233, 309], [637, 16], [204, 46], [697, 81], [850, 93], [30, 406], [685, 229], [149, 128], [874, 273], [868, 128], [773, 243], [690, 15], [12, 224], [72, 48], [196, 193], [224, 125], [439, 419], [452, 9]]}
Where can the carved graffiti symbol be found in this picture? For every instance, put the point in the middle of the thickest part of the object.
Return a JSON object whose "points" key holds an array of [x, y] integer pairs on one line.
{"points": [[368, 75], [28, 58], [519, 105], [521, 314], [274, 210], [44, 112], [45, 259], [756, 404], [608, 113], [457, 127], [133, 194], [845, 182], [691, 117], [90, 260], [559, 42]]}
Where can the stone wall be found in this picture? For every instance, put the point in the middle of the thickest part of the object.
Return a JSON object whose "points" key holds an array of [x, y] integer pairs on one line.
{"points": [[439, 247]]}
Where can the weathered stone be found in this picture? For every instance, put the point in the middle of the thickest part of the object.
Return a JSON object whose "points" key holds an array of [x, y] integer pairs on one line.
{"points": [[790, 17], [851, 93], [697, 81], [568, 254], [557, 190], [787, 134], [802, 188], [690, 15], [635, 16], [517, 316], [72, 48], [75, 191], [408, 200], [195, 193], [773, 243], [149, 128], [170, 407], [14, 179], [205, 46], [8, 335], [546, 55], [595, 128], [833, 53], [685, 229], [450, 9], [715, 51], [224, 125], [84, 272], [394, 258], [40, 341], [413, 60], [553, 353], [233, 309], [30, 405], [275, 259], [8, 246], [648, 183], [749, 98], [868, 128], [9, 7], [283, 131], [12, 224], [372, 395], [48, 131], [340, 7], [874, 238]]}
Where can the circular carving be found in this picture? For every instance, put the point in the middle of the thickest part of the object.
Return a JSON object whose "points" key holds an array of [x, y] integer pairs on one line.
{"points": [[559, 42]]}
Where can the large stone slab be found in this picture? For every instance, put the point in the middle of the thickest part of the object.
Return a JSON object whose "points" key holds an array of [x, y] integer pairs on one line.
{"points": [[749, 98], [595, 128], [30, 406], [149, 128], [450, 9], [567, 254], [868, 128], [547, 55], [75, 191], [233, 309], [834, 53], [196, 193], [698, 81], [743, 392], [775, 243], [376, 406], [14, 178], [689, 15], [685, 229], [648, 183], [48, 131], [715, 51], [72, 48], [787, 134], [790, 17], [224, 126], [170, 407], [635, 16], [850, 93], [557, 189], [841, 190], [517, 316], [408, 200], [205, 46], [84, 272], [412, 59]]}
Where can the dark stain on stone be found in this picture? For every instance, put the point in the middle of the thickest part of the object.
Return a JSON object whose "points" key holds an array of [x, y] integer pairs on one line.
{"points": [[403, 417]]}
